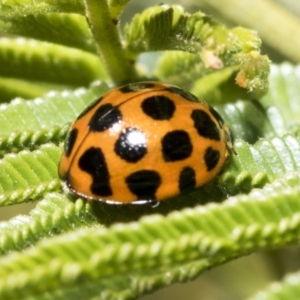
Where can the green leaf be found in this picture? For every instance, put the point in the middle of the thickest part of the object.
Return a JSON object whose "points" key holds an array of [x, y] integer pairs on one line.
{"points": [[284, 91], [39, 61], [215, 47], [254, 166], [258, 161], [59, 28], [27, 176], [212, 233], [53, 215], [11, 88], [268, 121], [55, 108], [18, 8], [43, 119], [68, 248], [170, 28], [189, 72], [288, 288]]}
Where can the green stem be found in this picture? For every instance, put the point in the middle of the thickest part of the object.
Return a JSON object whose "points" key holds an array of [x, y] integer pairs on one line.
{"points": [[108, 42]]}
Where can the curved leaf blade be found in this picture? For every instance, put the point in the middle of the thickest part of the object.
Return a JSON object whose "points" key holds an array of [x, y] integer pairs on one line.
{"points": [[53, 215], [11, 88], [55, 108], [284, 91], [170, 28], [18, 8], [268, 122], [27, 176], [288, 288], [214, 233], [255, 165], [39, 61], [43, 119], [70, 30]]}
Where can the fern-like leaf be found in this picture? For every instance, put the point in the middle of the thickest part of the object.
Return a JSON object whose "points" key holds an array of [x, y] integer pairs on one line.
{"points": [[18, 8], [215, 47], [48, 62], [67, 247], [284, 91], [212, 233], [70, 30], [268, 122], [26, 176], [47, 113], [53, 215], [289, 288]]}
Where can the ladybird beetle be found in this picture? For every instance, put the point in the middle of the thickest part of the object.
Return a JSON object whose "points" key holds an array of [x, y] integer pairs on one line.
{"points": [[144, 142]]}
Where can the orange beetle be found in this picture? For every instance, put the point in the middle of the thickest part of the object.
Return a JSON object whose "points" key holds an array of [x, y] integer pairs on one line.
{"points": [[143, 142]]}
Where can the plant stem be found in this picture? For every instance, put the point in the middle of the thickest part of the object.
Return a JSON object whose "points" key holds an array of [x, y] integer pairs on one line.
{"points": [[108, 42]]}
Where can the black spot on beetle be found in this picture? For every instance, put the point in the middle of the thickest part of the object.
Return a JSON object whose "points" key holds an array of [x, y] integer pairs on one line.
{"points": [[217, 116], [70, 141], [158, 107], [105, 117], [186, 95], [93, 162], [131, 145], [144, 184], [205, 126], [176, 145], [187, 179], [89, 108], [211, 158]]}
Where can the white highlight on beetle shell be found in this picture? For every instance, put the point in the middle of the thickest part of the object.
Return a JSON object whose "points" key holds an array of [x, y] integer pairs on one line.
{"points": [[136, 138]]}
